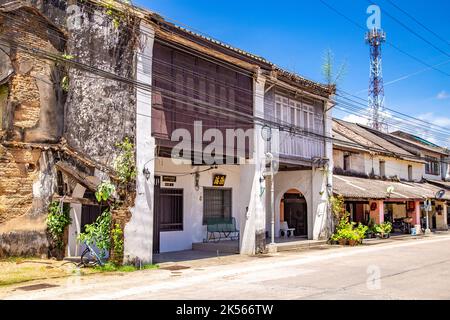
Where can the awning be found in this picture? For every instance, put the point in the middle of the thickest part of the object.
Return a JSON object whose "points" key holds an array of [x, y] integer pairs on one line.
{"points": [[361, 188]]}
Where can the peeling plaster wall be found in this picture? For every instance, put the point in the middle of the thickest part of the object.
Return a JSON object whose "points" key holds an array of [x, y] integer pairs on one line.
{"points": [[93, 115], [100, 112], [34, 111], [27, 181], [31, 111]]}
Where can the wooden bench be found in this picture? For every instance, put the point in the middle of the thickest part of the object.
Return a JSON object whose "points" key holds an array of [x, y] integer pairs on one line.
{"points": [[225, 228]]}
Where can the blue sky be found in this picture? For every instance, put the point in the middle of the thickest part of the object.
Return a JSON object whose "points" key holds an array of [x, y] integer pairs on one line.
{"points": [[295, 34]]}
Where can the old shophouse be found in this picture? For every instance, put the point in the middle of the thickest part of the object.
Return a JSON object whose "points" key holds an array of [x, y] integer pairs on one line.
{"points": [[93, 78], [385, 177]]}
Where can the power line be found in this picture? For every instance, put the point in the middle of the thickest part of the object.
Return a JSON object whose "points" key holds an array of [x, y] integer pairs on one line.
{"points": [[388, 42], [413, 32], [244, 90], [294, 130], [419, 23]]}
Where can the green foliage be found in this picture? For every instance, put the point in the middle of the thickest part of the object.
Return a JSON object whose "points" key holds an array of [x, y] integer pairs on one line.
{"points": [[383, 228], [65, 83], [104, 191], [112, 267], [124, 164], [330, 76], [337, 207], [116, 14], [67, 56], [346, 230], [98, 233], [57, 220], [117, 237]]}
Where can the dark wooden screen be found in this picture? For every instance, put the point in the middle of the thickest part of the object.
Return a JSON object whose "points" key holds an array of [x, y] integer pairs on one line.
{"points": [[89, 213], [183, 86], [216, 203], [171, 204]]}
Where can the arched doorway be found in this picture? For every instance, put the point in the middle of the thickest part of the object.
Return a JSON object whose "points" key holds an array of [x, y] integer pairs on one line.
{"points": [[293, 210]]}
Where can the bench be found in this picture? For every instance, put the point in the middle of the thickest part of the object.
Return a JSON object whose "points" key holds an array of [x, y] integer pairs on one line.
{"points": [[221, 228]]}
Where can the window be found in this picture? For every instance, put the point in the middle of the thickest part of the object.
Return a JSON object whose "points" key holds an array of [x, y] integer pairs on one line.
{"points": [[432, 166], [171, 210], [410, 173], [291, 111], [346, 162], [216, 203], [382, 168]]}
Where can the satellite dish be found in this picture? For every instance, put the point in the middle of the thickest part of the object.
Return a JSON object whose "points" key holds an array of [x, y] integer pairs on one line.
{"points": [[390, 189], [440, 194]]}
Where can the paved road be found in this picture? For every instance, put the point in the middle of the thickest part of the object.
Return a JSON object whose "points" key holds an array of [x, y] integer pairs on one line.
{"points": [[403, 269]]}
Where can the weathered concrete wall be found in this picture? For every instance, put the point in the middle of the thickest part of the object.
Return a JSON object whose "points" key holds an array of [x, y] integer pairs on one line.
{"points": [[34, 110], [31, 108], [100, 112], [28, 179]]}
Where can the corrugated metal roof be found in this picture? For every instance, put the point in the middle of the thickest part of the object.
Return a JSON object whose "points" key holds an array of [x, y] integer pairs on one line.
{"points": [[360, 188], [369, 140]]}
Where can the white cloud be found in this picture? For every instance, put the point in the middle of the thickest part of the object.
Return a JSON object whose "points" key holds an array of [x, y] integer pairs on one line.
{"points": [[443, 95], [442, 139], [356, 119]]}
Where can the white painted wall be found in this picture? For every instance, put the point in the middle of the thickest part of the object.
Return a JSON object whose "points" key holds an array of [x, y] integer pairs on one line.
{"points": [[312, 184], [193, 229], [138, 233]]}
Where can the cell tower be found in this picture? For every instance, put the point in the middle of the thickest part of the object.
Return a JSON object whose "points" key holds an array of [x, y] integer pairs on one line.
{"points": [[375, 37]]}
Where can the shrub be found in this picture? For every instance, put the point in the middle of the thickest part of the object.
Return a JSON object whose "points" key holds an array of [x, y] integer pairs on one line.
{"points": [[58, 219], [98, 233]]}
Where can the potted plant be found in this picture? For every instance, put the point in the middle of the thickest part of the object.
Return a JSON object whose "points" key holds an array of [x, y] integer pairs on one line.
{"points": [[383, 230], [361, 232]]}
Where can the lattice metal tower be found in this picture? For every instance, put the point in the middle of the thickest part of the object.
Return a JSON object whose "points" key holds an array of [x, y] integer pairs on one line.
{"points": [[375, 38]]}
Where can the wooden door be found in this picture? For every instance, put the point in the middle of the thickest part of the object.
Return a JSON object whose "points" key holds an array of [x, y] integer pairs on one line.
{"points": [[295, 213]]}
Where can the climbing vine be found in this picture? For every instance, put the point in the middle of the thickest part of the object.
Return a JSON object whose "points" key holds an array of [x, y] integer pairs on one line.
{"points": [[117, 15], [104, 191], [124, 164], [98, 233], [117, 238], [58, 219]]}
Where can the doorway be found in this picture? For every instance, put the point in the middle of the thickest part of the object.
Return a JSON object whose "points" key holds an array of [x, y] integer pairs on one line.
{"points": [[295, 213]]}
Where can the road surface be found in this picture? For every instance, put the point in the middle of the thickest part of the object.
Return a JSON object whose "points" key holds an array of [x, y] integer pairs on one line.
{"points": [[402, 269]]}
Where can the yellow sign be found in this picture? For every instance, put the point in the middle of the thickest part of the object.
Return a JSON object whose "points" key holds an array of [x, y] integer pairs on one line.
{"points": [[219, 180]]}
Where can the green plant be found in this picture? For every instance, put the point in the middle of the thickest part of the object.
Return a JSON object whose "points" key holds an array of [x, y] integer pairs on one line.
{"points": [[65, 83], [117, 237], [337, 207], [67, 56], [104, 191], [361, 230], [98, 233], [346, 230], [58, 219], [330, 76], [383, 228], [124, 164]]}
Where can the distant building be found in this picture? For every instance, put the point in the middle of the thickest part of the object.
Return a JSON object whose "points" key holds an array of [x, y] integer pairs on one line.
{"points": [[385, 177]]}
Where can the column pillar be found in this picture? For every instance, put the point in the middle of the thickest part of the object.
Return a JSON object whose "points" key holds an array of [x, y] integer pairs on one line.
{"points": [[138, 233], [252, 199], [416, 217], [378, 213], [441, 215]]}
